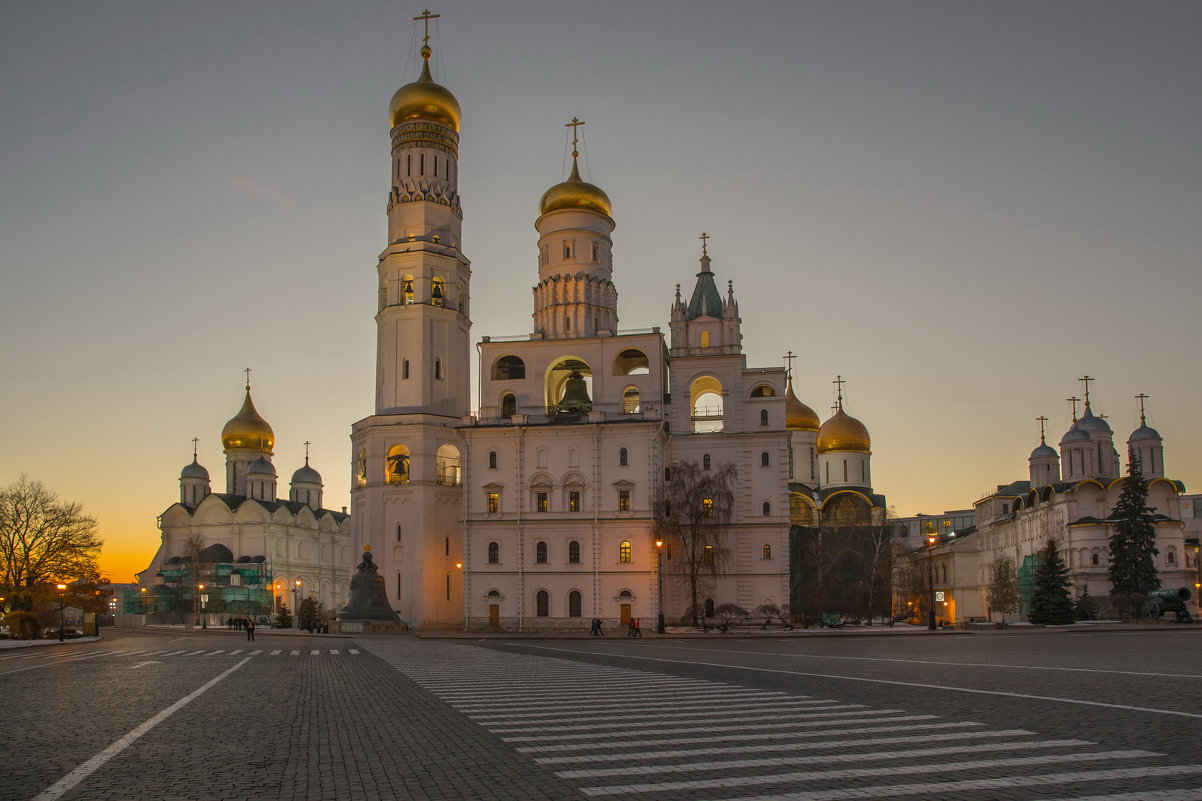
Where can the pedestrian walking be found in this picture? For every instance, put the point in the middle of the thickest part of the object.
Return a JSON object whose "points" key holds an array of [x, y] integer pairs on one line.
{"points": [[250, 630], [595, 629], [638, 628], [630, 628]]}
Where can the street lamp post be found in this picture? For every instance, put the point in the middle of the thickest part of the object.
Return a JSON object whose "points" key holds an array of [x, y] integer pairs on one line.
{"points": [[659, 586], [931, 582], [204, 616], [296, 591], [62, 593]]}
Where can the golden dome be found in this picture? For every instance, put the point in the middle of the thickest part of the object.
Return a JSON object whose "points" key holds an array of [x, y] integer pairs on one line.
{"points": [[247, 429], [797, 414], [842, 432], [424, 100], [575, 194]]}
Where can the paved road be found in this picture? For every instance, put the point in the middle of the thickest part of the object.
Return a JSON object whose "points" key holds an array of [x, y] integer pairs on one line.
{"points": [[1104, 716]]}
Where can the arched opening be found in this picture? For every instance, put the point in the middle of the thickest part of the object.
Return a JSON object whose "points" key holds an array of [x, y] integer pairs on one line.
{"points": [[623, 457], [763, 417], [763, 391], [574, 552], [624, 552], [509, 405], [631, 361], [542, 603], [540, 553], [764, 459], [361, 468], [574, 603], [569, 387], [709, 607], [508, 367], [706, 462], [438, 292], [494, 553], [446, 464], [631, 398], [407, 290], [396, 466], [705, 403], [767, 508], [801, 510], [767, 551], [492, 460], [705, 339]]}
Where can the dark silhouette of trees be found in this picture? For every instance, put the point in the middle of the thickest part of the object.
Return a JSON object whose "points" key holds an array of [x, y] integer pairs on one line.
{"points": [[1133, 543], [1051, 600]]}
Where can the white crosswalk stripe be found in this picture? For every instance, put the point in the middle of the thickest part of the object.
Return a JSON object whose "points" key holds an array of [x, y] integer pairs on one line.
{"points": [[636, 734]]}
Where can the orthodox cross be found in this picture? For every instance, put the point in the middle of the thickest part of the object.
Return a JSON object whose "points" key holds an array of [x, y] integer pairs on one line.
{"points": [[1141, 397], [195, 443], [839, 382], [307, 444], [247, 371], [789, 359], [425, 17], [1085, 380], [704, 244], [1073, 400], [1042, 433], [575, 126]]}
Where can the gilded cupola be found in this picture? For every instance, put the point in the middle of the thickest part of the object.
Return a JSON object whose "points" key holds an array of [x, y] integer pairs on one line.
{"points": [[842, 432], [575, 193], [424, 99], [247, 430], [798, 416]]}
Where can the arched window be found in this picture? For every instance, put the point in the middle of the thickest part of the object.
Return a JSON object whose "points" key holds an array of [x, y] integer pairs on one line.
{"points": [[542, 603], [705, 461], [763, 417], [631, 361], [763, 391], [623, 457], [624, 552], [767, 507], [509, 405], [574, 552], [438, 369], [764, 461], [569, 387], [407, 290], [494, 553], [705, 405], [438, 292], [361, 468], [446, 465], [1170, 557], [709, 607], [767, 551], [540, 553], [631, 400], [705, 339], [492, 460], [508, 367], [574, 603], [709, 558], [396, 467]]}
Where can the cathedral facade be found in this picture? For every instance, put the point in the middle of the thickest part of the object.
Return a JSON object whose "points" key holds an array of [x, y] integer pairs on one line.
{"points": [[536, 512], [244, 551]]}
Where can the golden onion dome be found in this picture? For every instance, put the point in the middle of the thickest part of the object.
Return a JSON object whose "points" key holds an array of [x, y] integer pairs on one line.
{"points": [[575, 194], [842, 432], [798, 416], [424, 100], [247, 430]]}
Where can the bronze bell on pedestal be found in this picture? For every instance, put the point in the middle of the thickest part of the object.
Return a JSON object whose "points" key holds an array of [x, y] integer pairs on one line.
{"points": [[575, 394]]}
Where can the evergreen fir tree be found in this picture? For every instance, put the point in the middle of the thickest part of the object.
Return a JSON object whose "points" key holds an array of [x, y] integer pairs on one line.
{"points": [[1133, 543], [283, 618], [1051, 601]]}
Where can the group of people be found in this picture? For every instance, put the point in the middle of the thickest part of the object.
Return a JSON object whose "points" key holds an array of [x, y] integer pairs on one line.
{"points": [[633, 629]]}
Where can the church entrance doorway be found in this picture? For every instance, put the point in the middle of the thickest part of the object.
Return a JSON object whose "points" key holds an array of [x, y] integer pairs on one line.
{"points": [[494, 614], [625, 614]]}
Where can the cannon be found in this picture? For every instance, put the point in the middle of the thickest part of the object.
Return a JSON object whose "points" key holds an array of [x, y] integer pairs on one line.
{"points": [[1161, 601]]}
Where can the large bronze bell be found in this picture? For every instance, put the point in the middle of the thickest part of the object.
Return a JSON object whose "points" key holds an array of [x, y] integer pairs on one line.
{"points": [[575, 394]]}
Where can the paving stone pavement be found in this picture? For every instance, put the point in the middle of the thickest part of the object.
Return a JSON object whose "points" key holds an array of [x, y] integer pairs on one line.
{"points": [[635, 734]]}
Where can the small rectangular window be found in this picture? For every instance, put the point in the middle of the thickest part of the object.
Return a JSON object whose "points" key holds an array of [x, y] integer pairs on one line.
{"points": [[574, 501], [398, 532], [398, 586], [494, 502], [623, 500], [540, 502]]}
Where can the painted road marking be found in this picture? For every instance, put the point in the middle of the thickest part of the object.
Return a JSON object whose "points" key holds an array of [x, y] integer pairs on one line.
{"points": [[63, 785]]}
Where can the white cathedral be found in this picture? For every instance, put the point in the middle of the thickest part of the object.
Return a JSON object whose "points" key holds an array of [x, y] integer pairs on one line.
{"points": [[536, 511]]}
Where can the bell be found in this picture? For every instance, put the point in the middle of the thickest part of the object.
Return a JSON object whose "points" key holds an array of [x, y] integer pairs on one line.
{"points": [[369, 596], [575, 394]]}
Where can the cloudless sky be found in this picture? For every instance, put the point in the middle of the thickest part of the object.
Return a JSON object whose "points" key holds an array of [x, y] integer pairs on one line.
{"points": [[961, 207]]}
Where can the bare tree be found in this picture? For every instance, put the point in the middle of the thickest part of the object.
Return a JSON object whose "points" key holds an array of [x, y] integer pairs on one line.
{"points": [[44, 539], [692, 518]]}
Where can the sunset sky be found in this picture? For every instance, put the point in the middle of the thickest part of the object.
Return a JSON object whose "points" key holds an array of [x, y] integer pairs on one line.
{"points": [[960, 207]]}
